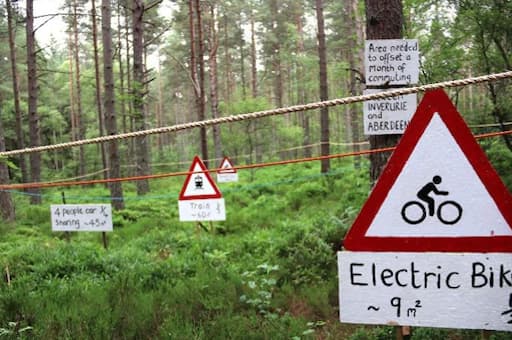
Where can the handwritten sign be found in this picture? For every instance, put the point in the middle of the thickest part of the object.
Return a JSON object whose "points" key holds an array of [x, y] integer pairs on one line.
{"points": [[388, 116], [211, 209], [391, 61], [432, 245], [452, 290], [200, 199], [225, 177], [81, 217]]}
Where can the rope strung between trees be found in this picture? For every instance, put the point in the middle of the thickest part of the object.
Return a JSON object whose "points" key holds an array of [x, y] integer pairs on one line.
{"points": [[266, 113], [240, 167]]}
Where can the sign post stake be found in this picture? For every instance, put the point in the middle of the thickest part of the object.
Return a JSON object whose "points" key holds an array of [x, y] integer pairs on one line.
{"points": [[105, 239], [67, 234]]}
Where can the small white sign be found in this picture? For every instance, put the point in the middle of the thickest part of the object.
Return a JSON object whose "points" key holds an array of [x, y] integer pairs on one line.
{"points": [[388, 116], [225, 177], [449, 290], [81, 217], [211, 209], [391, 61]]}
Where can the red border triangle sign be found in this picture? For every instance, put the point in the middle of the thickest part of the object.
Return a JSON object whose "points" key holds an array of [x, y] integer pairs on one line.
{"points": [[200, 199], [226, 166], [201, 186], [227, 173], [438, 191]]}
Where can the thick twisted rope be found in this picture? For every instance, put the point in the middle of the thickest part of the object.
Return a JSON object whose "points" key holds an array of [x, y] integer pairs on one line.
{"points": [[267, 113]]}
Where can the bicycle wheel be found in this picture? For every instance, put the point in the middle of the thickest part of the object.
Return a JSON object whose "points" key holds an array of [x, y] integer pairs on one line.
{"points": [[449, 219], [408, 214]]}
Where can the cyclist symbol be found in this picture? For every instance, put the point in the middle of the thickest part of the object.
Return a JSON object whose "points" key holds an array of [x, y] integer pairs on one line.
{"points": [[414, 212]]}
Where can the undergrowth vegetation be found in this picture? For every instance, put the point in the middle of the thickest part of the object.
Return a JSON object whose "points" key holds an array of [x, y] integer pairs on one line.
{"points": [[267, 272]]}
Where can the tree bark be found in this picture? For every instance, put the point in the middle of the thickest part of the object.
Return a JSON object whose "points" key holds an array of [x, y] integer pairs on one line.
{"points": [[142, 147], [254, 72], [301, 90], [276, 56], [324, 90], [197, 63], [214, 98], [20, 138], [127, 104], [35, 133], [79, 119], [6, 203], [352, 117], [116, 190], [99, 107], [201, 102], [384, 20]]}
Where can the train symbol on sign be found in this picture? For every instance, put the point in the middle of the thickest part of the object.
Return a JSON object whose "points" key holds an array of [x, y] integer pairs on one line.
{"points": [[198, 181], [448, 212]]}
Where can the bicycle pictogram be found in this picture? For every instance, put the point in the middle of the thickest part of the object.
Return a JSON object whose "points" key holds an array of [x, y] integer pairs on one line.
{"points": [[448, 212]]}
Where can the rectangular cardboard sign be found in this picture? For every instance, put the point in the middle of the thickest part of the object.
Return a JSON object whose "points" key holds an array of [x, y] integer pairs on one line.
{"points": [[81, 217], [391, 62], [226, 177], [388, 116], [211, 209], [448, 290]]}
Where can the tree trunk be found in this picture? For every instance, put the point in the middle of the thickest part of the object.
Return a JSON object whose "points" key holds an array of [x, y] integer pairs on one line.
{"points": [[127, 104], [79, 119], [142, 147], [254, 72], [99, 107], [202, 96], [384, 20], [242, 65], [116, 190], [161, 121], [35, 133], [228, 74], [20, 139], [214, 99], [352, 120], [195, 27], [276, 57], [254, 89], [301, 90], [71, 86], [324, 91], [6, 203]]}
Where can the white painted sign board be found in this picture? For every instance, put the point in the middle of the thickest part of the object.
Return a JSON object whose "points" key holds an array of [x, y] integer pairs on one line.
{"points": [[391, 62], [210, 209], [451, 290], [200, 199], [81, 217], [432, 245], [227, 177], [388, 116]]}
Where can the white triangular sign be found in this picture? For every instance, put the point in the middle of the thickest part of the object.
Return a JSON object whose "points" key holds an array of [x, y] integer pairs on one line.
{"points": [[199, 184], [226, 166], [469, 209], [438, 191]]}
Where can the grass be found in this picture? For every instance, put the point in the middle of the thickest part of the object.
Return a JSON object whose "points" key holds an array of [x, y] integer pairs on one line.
{"points": [[268, 272]]}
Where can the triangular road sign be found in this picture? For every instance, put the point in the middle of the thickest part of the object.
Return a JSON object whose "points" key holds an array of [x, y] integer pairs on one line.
{"points": [[199, 185], [438, 191], [226, 166]]}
